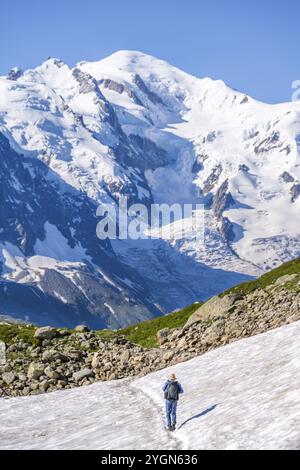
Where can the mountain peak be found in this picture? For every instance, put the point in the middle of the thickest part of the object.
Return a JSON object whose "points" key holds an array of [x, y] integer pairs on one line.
{"points": [[51, 63], [127, 61]]}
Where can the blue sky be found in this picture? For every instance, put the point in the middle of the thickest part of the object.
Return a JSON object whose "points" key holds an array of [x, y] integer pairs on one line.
{"points": [[252, 45]]}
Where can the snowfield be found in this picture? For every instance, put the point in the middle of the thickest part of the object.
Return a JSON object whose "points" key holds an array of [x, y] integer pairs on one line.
{"points": [[242, 396]]}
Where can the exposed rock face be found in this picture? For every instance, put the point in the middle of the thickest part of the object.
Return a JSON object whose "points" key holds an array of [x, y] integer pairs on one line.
{"points": [[213, 179], [244, 168], [119, 88], [287, 177], [152, 156], [112, 85], [15, 73], [226, 229], [245, 100], [198, 163], [270, 143], [153, 97], [295, 191], [222, 200], [86, 82]]}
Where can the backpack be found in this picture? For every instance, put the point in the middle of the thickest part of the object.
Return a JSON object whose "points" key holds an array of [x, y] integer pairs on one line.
{"points": [[171, 392]]}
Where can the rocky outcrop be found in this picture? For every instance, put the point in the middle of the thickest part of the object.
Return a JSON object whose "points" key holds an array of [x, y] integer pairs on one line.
{"points": [[287, 177], [198, 163], [222, 200], [87, 83], [15, 73], [119, 88], [150, 156], [153, 97], [272, 142], [295, 191], [245, 100], [212, 180]]}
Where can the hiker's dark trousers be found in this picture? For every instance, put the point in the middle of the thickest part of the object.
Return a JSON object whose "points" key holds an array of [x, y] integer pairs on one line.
{"points": [[171, 408]]}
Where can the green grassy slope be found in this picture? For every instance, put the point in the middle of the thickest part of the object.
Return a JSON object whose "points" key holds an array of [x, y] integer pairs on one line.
{"points": [[291, 267], [10, 333], [145, 332]]}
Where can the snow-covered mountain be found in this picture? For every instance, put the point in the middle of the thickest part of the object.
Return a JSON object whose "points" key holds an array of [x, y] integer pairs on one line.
{"points": [[73, 138], [241, 396]]}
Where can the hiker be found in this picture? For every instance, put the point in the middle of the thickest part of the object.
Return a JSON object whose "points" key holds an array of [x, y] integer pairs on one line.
{"points": [[172, 389]]}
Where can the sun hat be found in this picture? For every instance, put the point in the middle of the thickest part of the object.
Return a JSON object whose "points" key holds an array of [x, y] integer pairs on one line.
{"points": [[172, 377]]}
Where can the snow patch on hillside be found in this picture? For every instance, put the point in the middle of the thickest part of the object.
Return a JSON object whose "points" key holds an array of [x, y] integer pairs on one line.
{"points": [[242, 396]]}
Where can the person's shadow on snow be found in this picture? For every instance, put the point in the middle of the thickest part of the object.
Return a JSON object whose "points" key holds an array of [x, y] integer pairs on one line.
{"points": [[199, 415]]}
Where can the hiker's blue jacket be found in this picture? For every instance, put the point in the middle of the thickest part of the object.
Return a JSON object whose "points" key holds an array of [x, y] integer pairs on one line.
{"points": [[180, 389]]}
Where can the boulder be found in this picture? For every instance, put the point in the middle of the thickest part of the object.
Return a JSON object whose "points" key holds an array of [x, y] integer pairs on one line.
{"points": [[214, 307], [82, 374], [8, 377], [162, 336], [22, 377], [73, 355], [113, 376], [168, 356], [82, 329], [35, 371], [182, 343], [44, 385], [125, 356], [53, 355], [45, 333], [96, 360], [34, 386], [51, 373], [62, 383], [210, 337]]}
